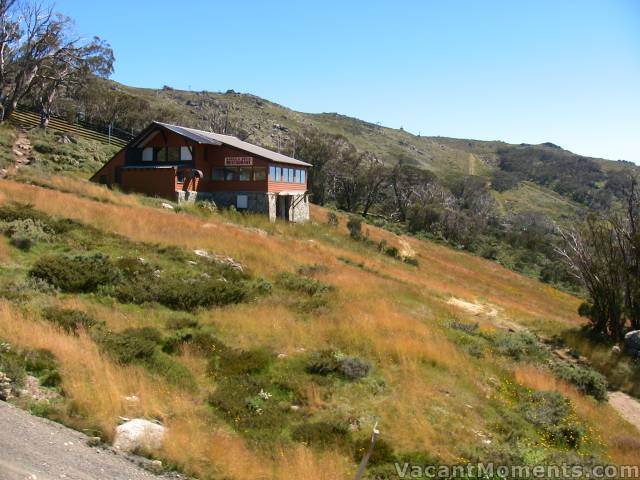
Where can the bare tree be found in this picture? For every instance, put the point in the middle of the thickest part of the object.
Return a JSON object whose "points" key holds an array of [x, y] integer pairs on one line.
{"points": [[38, 50]]}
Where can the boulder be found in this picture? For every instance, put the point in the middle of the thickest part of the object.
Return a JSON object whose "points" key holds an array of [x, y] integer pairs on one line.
{"points": [[138, 434], [168, 206], [616, 350], [632, 343]]}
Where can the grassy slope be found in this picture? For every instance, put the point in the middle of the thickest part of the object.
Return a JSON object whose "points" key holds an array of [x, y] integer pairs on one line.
{"points": [[435, 394]]}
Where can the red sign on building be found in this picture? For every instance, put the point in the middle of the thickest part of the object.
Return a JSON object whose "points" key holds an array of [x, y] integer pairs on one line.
{"points": [[237, 161]]}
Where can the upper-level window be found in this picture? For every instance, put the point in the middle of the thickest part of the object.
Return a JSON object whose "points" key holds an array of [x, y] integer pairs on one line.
{"points": [[245, 174], [186, 154], [259, 174], [147, 154], [272, 173], [303, 175]]}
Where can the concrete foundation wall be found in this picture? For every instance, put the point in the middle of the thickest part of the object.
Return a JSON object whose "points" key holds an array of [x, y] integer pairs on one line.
{"points": [[256, 202]]}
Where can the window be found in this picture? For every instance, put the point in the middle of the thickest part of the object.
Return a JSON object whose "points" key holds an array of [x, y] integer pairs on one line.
{"points": [[285, 174], [161, 154], [303, 176], [180, 176], [272, 173], [217, 174], [173, 154], [259, 174], [242, 201], [231, 173], [245, 174], [147, 154], [186, 154]]}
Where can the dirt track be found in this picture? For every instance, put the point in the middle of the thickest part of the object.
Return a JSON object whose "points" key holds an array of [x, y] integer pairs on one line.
{"points": [[32, 448]]}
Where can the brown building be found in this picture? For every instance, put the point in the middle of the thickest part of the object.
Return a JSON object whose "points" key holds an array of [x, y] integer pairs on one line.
{"points": [[186, 165]]}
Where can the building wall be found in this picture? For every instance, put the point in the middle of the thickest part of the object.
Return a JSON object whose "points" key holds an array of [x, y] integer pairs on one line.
{"points": [[156, 182]]}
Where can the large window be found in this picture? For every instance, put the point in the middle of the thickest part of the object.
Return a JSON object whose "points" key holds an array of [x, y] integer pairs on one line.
{"points": [[272, 173], [173, 154], [245, 174], [303, 176], [259, 174], [186, 154], [147, 154]]}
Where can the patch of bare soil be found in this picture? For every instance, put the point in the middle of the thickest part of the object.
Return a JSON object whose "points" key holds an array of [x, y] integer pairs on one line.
{"points": [[627, 407]]}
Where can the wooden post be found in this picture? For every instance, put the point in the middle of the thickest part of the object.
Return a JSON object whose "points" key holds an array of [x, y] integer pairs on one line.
{"points": [[365, 459]]}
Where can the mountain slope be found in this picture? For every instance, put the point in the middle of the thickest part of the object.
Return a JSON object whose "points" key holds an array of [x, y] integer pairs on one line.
{"points": [[441, 389]]}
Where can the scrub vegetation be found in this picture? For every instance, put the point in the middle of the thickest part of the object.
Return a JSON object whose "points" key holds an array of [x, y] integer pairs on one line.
{"points": [[275, 354]]}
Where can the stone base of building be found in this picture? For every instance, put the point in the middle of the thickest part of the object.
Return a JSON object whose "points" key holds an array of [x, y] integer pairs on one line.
{"points": [[292, 207]]}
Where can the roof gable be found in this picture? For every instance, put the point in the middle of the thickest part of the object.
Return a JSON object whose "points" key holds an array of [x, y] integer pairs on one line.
{"points": [[210, 138]]}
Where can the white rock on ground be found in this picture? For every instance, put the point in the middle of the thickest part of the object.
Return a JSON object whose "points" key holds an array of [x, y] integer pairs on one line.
{"points": [[138, 434], [168, 206]]}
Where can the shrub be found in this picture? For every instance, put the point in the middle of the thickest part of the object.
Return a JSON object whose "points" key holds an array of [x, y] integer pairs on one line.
{"points": [[552, 414], [182, 321], [322, 434], [382, 452], [310, 270], [17, 211], [68, 319], [392, 252], [238, 398], [132, 344], [42, 364], [79, 273], [354, 225], [470, 328], [171, 370], [180, 293], [25, 233], [411, 261], [298, 283], [332, 219], [22, 290], [201, 342], [586, 379], [327, 362], [520, 345], [226, 362], [353, 368]]}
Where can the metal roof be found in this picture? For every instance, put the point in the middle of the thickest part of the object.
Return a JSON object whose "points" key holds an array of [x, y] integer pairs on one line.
{"points": [[210, 138]]}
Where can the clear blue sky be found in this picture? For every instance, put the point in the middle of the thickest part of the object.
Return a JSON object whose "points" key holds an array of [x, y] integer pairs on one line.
{"points": [[520, 71]]}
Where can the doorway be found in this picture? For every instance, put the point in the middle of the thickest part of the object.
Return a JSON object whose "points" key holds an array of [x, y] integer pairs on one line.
{"points": [[283, 204]]}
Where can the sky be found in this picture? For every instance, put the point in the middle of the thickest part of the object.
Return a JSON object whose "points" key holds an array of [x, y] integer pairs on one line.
{"points": [[524, 71]]}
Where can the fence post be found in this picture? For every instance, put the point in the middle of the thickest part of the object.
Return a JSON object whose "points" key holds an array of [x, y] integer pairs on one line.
{"points": [[365, 459]]}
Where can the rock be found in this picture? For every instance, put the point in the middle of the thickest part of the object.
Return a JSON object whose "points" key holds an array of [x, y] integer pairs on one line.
{"points": [[138, 434], [5, 387], [202, 253], [632, 343], [616, 350], [33, 389], [94, 441], [282, 355], [168, 206], [294, 408], [132, 399]]}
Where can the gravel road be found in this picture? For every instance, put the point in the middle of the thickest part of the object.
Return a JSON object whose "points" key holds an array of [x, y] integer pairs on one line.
{"points": [[33, 448]]}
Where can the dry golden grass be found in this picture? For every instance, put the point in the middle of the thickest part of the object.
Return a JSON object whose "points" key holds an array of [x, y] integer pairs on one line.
{"points": [[97, 388], [394, 319], [5, 251]]}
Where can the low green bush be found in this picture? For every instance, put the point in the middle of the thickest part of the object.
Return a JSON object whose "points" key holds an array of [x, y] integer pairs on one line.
{"points": [[43, 364], [520, 346], [552, 414], [68, 319], [21, 290], [298, 283], [26, 233], [201, 342], [354, 225], [246, 404], [329, 362], [587, 380], [182, 321], [226, 362], [13, 212], [332, 219], [77, 273], [132, 344], [382, 454], [171, 370], [322, 434]]}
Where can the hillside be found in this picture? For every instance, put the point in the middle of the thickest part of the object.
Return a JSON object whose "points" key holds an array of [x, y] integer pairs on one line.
{"points": [[280, 369]]}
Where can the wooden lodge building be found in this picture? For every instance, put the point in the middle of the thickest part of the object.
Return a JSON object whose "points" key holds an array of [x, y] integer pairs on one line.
{"points": [[185, 165]]}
